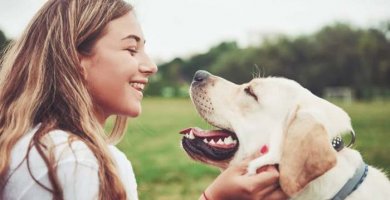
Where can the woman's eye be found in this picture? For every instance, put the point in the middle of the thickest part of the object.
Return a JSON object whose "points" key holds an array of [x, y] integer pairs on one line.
{"points": [[248, 90], [132, 51]]}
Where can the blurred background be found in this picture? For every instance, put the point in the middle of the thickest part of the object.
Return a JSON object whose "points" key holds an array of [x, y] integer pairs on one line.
{"points": [[340, 50]]}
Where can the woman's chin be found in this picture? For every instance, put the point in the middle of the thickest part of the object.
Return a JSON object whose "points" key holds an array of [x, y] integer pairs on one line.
{"points": [[134, 111]]}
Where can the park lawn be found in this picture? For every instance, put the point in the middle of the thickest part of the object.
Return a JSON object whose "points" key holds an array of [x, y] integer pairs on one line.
{"points": [[164, 172]]}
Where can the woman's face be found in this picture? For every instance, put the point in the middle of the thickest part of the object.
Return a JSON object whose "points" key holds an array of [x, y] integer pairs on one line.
{"points": [[118, 69]]}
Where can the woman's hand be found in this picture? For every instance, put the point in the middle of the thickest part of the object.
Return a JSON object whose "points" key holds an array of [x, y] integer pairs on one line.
{"points": [[234, 184]]}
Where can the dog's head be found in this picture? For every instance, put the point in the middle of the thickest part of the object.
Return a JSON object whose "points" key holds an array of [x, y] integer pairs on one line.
{"points": [[246, 115]]}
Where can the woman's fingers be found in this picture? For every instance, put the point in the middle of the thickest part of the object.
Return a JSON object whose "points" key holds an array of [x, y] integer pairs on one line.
{"points": [[255, 155], [245, 162], [235, 184], [243, 165], [268, 177], [270, 182], [263, 185]]}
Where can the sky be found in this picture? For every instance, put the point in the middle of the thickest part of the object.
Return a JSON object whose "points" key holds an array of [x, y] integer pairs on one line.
{"points": [[180, 28]]}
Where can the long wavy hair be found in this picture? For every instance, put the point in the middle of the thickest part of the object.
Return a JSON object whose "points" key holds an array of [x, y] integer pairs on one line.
{"points": [[42, 82]]}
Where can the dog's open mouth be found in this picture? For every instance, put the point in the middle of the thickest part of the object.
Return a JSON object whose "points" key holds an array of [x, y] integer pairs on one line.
{"points": [[216, 145]]}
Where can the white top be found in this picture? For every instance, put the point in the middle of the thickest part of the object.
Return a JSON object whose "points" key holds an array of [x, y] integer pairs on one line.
{"points": [[77, 170]]}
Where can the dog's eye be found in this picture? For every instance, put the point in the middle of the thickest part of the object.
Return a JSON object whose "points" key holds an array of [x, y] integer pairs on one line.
{"points": [[248, 90]]}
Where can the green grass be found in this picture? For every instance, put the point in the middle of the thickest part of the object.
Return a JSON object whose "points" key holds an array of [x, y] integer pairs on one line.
{"points": [[164, 171], [371, 122]]}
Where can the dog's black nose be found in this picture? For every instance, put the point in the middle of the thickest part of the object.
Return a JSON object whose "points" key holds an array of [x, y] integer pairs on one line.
{"points": [[201, 75]]}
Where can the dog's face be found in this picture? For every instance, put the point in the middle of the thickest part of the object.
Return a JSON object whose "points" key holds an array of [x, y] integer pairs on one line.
{"points": [[245, 114], [296, 124]]}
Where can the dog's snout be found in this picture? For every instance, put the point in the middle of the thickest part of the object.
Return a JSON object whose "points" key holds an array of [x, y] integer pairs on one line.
{"points": [[201, 75]]}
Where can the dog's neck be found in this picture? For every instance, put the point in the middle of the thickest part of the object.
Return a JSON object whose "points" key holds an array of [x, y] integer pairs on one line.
{"points": [[327, 185]]}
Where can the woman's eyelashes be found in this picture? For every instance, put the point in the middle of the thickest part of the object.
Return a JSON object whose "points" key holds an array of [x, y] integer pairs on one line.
{"points": [[249, 91], [132, 50]]}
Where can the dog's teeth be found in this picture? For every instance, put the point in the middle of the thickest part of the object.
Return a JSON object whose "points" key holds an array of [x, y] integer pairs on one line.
{"points": [[205, 141], [191, 136], [234, 141], [186, 135], [211, 141], [220, 141], [228, 140]]}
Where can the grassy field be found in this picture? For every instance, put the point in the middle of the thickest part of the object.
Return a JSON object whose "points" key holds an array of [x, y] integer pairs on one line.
{"points": [[164, 172]]}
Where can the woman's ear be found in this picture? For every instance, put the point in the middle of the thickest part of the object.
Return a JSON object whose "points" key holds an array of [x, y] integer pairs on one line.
{"points": [[306, 153], [85, 64]]}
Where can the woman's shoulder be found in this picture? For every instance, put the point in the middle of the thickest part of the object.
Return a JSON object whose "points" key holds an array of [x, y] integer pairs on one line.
{"points": [[74, 161], [123, 165], [125, 170], [61, 143], [76, 149], [68, 148]]}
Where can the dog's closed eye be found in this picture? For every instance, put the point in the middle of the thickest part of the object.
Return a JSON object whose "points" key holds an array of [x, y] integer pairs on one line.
{"points": [[249, 91]]}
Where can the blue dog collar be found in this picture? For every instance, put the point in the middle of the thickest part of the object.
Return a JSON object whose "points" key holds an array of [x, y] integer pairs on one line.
{"points": [[353, 183]]}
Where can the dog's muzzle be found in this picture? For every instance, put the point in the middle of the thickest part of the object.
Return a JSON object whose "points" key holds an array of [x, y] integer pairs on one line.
{"points": [[207, 145]]}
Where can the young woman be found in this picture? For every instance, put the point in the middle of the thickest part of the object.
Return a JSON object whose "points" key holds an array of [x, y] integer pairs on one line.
{"points": [[77, 63]]}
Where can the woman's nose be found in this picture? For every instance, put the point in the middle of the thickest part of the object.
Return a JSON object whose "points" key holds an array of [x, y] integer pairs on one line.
{"points": [[147, 65]]}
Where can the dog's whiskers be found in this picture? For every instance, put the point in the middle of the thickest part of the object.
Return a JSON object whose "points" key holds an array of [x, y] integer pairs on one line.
{"points": [[258, 72]]}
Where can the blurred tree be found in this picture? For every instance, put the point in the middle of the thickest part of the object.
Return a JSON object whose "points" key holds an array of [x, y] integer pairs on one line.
{"points": [[3, 42], [204, 61], [337, 55], [336, 58], [167, 79]]}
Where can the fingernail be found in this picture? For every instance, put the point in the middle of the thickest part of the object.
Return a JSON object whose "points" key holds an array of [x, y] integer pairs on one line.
{"points": [[264, 149]]}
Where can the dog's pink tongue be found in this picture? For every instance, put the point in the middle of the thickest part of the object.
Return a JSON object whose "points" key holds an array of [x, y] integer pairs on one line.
{"points": [[205, 133]]}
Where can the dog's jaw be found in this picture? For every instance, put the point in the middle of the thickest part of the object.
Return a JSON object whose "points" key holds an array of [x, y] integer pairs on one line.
{"points": [[214, 147]]}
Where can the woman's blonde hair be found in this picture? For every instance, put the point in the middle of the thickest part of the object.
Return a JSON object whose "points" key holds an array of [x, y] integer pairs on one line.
{"points": [[42, 82]]}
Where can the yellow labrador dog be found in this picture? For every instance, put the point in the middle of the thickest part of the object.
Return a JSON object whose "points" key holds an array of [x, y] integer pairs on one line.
{"points": [[301, 131]]}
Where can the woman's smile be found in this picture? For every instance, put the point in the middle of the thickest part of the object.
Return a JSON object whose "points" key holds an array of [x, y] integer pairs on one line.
{"points": [[138, 87]]}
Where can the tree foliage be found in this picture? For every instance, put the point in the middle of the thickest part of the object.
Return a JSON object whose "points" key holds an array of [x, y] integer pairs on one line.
{"points": [[3, 42], [337, 55]]}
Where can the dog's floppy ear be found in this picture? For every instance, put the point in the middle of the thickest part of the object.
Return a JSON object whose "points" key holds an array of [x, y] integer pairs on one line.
{"points": [[306, 154]]}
